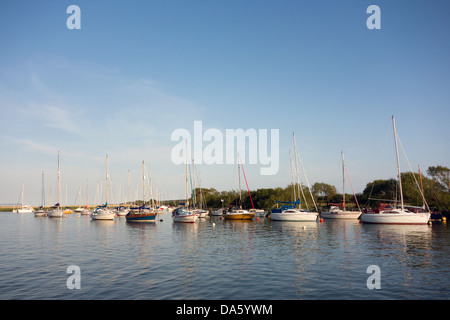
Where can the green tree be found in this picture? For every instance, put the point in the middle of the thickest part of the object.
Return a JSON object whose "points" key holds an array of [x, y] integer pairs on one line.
{"points": [[324, 191], [440, 174]]}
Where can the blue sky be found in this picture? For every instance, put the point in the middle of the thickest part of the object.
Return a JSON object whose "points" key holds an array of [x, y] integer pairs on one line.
{"points": [[136, 71]]}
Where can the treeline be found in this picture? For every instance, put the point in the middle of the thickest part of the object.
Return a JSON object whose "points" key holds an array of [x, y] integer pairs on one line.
{"points": [[436, 191]]}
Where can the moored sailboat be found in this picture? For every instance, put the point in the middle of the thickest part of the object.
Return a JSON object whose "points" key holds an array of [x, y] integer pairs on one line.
{"points": [[56, 211], [103, 212], [338, 211], [239, 213], [292, 211], [24, 208], [142, 213], [86, 211], [41, 212], [388, 214], [184, 214]]}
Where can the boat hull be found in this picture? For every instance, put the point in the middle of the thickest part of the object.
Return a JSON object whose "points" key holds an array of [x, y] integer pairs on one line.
{"points": [[138, 217], [25, 211], [191, 218], [39, 213], [293, 216], [202, 213], [217, 212], [340, 214], [238, 216], [259, 212], [102, 214], [184, 216], [396, 218], [55, 214]]}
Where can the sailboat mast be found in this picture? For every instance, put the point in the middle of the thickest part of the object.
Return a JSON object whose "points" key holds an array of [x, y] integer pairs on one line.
{"points": [[343, 182], [43, 191], [292, 176], [143, 181], [193, 180], [187, 203], [296, 171], [128, 196], [23, 187], [398, 163], [87, 192], [59, 182], [240, 194], [151, 188], [106, 180], [421, 188]]}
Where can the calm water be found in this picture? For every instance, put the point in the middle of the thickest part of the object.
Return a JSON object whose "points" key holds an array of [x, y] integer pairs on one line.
{"points": [[229, 260]]}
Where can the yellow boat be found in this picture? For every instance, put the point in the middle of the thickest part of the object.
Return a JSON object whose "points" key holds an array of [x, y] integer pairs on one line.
{"points": [[238, 214]]}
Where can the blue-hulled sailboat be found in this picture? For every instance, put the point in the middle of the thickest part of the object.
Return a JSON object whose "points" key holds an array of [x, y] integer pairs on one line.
{"points": [[142, 213]]}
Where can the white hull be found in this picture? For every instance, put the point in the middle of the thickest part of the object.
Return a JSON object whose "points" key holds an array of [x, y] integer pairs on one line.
{"points": [[39, 213], [217, 212], [294, 215], [85, 212], [341, 214], [189, 218], [122, 212], [258, 212], [103, 215], [183, 215], [55, 214], [396, 216], [202, 213], [25, 211]]}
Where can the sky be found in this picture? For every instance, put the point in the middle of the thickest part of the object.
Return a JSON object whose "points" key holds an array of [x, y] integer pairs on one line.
{"points": [[138, 71]]}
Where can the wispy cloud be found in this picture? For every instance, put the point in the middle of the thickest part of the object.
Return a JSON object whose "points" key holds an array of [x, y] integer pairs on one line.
{"points": [[53, 117]]}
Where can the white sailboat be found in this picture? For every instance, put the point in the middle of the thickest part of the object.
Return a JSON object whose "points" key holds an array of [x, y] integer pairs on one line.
{"points": [[293, 211], [185, 214], [390, 215], [41, 212], [220, 211], [79, 209], [259, 212], [293, 214], [56, 211], [103, 212], [338, 211], [24, 208], [86, 211], [239, 213], [202, 213]]}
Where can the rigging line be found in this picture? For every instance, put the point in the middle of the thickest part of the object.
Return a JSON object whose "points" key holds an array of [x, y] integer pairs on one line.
{"points": [[414, 176], [246, 182], [307, 182], [352, 188]]}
